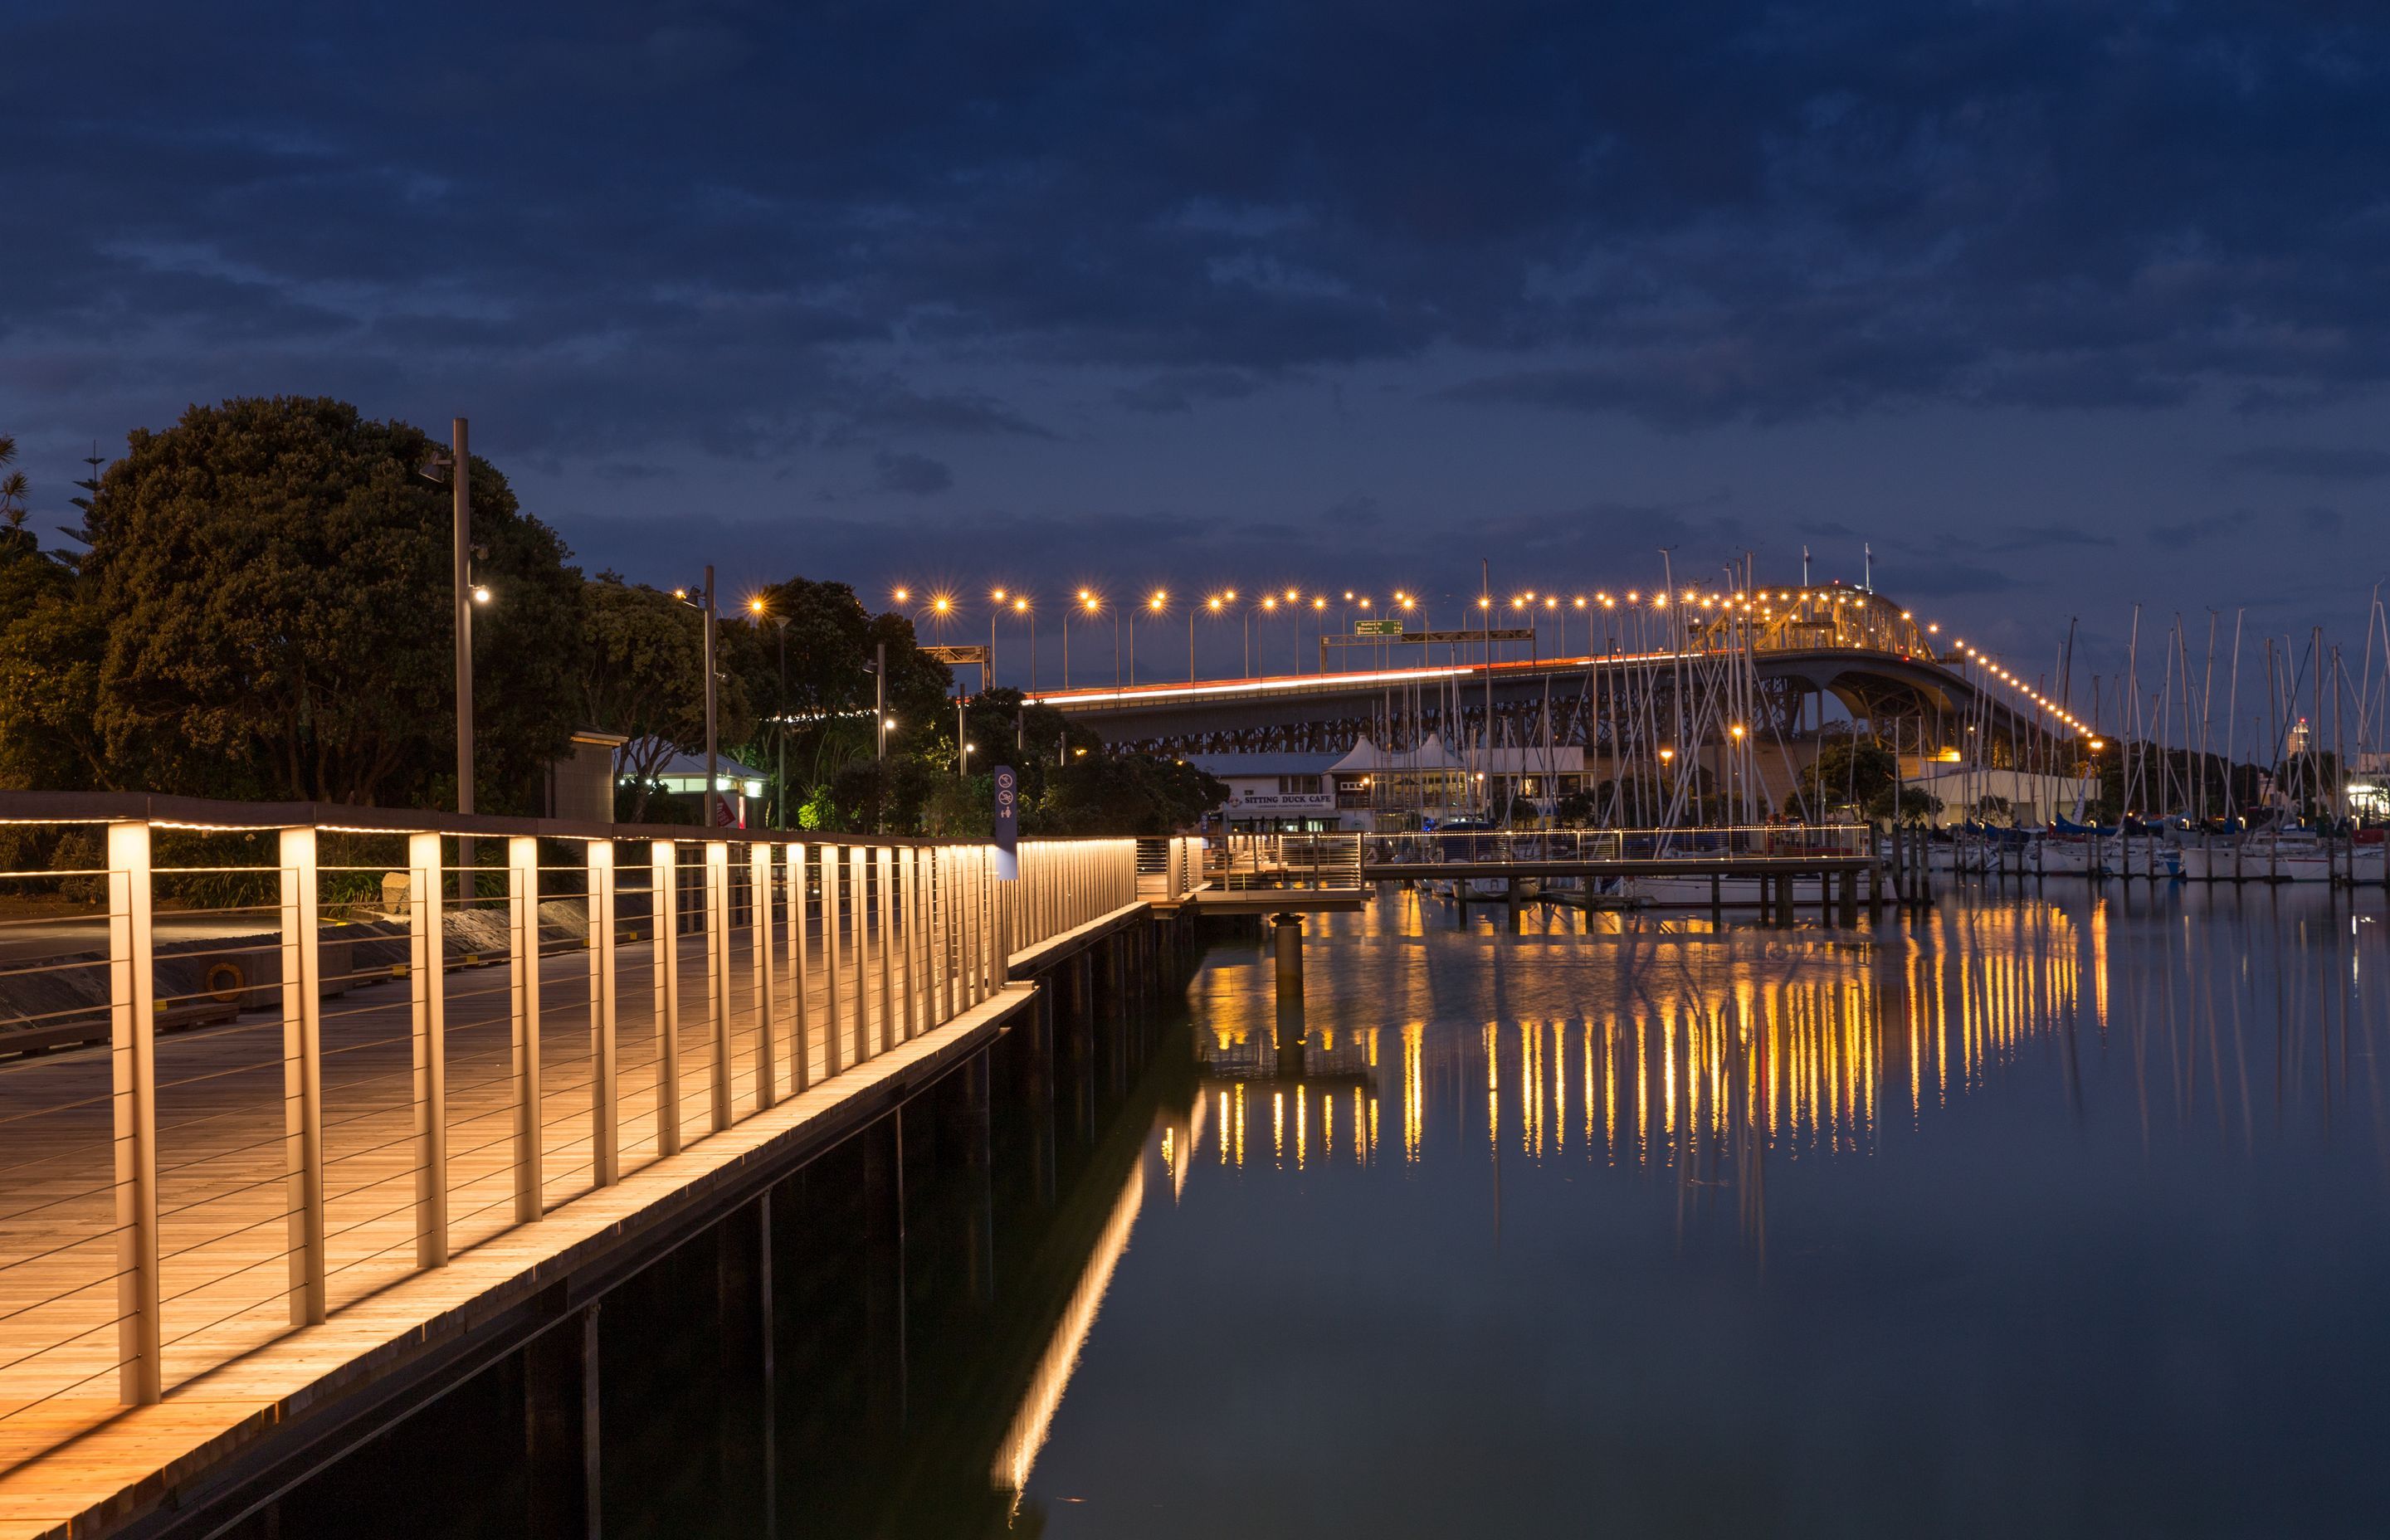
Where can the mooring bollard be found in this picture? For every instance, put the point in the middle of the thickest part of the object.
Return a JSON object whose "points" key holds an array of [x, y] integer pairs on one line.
{"points": [[1289, 955]]}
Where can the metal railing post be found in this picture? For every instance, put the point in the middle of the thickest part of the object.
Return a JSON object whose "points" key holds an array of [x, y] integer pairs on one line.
{"points": [[717, 972], [663, 902], [942, 905], [605, 1132], [898, 931], [858, 910], [884, 917], [967, 893], [924, 981], [908, 865], [522, 905], [830, 862], [132, 1036], [767, 1059], [427, 979], [303, 1077], [800, 969]]}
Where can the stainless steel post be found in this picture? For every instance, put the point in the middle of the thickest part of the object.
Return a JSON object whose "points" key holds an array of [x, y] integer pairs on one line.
{"points": [[605, 1135], [303, 1077], [427, 979], [132, 1028], [717, 973], [522, 903], [664, 915]]}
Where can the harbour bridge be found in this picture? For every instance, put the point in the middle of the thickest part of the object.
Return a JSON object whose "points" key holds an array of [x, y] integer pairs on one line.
{"points": [[1803, 647]]}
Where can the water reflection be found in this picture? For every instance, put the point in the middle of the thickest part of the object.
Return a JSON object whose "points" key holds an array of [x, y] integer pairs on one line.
{"points": [[2046, 1209], [1675, 1034], [2039, 1214]]}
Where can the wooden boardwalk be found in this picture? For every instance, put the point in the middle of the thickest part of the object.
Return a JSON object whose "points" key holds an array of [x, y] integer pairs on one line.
{"points": [[112, 1460], [225, 1199], [179, 1201]]}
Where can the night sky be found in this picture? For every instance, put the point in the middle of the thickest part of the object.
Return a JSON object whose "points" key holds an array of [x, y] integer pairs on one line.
{"points": [[2062, 306]]}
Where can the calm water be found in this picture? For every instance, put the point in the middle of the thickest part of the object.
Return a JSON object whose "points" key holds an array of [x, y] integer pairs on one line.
{"points": [[2047, 1215], [2037, 1216]]}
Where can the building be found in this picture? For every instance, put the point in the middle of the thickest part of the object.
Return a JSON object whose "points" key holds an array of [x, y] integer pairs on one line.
{"points": [[1274, 793], [2017, 798], [683, 776], [1369, 788]]}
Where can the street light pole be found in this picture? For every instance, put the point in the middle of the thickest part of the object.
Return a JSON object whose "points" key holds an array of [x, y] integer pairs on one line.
{"points": [[781, 738], [713, 776], [460, 491]]}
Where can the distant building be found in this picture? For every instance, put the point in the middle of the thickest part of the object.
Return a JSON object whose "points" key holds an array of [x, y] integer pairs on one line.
{"points": [[1274, 793], [1369, 788], [683, 777], [2009, 797]]}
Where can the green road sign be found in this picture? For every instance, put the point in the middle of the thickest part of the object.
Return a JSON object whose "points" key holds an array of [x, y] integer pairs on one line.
{"points": [[1377, 628]]}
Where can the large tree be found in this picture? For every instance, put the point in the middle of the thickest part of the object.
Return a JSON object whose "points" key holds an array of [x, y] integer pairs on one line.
{"points": [[49, 658], [642, 664], [823, 695], [273, 579]]}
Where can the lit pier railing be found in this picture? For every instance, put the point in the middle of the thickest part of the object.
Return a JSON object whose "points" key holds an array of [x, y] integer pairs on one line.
{"points": [[257, 1063]]}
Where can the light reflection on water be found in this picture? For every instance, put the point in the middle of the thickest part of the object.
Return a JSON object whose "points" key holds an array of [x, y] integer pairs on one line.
{"points": [[2044, 1211]]}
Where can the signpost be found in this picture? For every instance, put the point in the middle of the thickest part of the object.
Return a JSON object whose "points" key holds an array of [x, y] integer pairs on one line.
{"points": [[1377, 628], [1007, 824]]}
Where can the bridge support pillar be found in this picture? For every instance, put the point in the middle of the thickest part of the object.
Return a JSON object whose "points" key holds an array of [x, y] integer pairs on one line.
{"points": [[1848, 910], [886, 1373], [979, 1163], [1040, 1076], [1510, 899], [560, 1430]]}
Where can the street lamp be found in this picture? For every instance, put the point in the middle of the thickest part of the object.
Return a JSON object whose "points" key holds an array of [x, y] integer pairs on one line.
{"points": [[996, 607], [1319, 615], [1087, 601], [465, 593], [712, 772], [1022, 606], [761, 611], [1157, 604], [1215, 604]]}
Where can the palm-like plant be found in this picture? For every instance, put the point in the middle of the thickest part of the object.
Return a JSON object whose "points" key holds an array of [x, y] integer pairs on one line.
{"points": [[13, 486]]}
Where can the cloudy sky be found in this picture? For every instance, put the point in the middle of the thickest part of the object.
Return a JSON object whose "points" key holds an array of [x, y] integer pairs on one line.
{"points": [[2061, 306]]}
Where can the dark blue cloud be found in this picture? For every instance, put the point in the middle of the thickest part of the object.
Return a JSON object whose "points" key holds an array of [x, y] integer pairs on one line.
{"points": [[2311, 462], [913, 473], [1095, 262]]}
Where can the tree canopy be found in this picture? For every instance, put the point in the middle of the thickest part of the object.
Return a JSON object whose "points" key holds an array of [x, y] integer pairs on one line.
{"points": [[264, 611], [271, 578]]}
